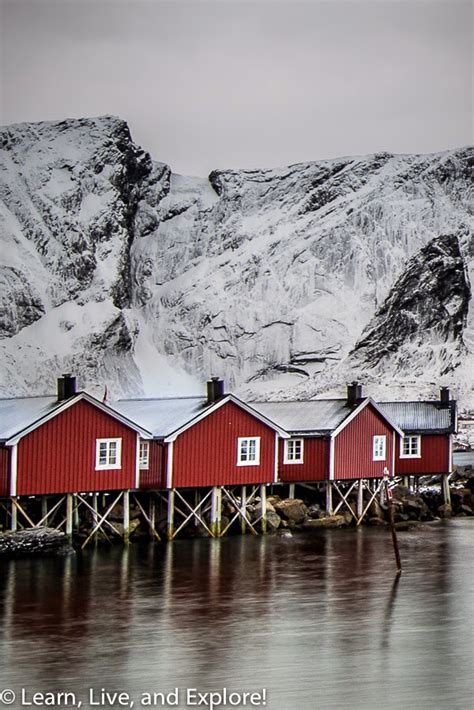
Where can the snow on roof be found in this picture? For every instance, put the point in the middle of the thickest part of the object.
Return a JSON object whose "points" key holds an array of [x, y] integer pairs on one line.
{"points": [[419, 416], [306, 417], [161, 416], [20, 412]]}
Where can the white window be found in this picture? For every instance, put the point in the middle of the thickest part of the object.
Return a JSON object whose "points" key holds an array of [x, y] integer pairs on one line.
{"points": [[379, 448], [293, 451], [108, 454], [410, 447], [144, 455], [248, 451]]}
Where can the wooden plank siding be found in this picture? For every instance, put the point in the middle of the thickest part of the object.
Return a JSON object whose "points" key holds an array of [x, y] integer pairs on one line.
{"points": [[434, 457], [4, 472], [59, 456], [154, 477], [206, 453], [353, 447], [315, 466]]}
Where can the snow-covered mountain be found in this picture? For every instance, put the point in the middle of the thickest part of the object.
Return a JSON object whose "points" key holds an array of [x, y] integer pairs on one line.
{"points": [[129, 275]]}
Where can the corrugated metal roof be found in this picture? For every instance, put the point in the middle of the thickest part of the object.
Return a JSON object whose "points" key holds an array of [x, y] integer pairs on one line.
{"points": [[310, 417], [20, 412], [418, 416], [161, 416]]}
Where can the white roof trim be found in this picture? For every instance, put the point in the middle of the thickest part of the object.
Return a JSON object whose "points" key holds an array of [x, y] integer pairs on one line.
{"points": [[209, 410], [69, 403], [357, 411]]}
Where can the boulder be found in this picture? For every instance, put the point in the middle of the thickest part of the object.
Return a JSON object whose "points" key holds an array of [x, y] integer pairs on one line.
{"points": [[445, 511], [330, 521], [273, 521], [34, 541], [292, 509]]}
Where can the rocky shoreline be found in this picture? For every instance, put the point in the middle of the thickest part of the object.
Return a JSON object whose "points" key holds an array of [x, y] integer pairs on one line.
{"points": [[34, 541]]}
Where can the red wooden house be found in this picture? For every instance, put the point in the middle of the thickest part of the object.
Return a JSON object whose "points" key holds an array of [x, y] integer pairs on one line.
{"points": [[203, 442], [66, 444], [334, 439], [427, 445]]}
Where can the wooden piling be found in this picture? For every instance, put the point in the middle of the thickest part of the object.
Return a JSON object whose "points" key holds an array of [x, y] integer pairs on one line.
{"points": [[243, 508], [360, 498], [216, 511], [329, 506], [291, 490], [263, 503], [69, 515], [14, 516], [388, 496], [126, 517], [170, 515], [446, 489]]}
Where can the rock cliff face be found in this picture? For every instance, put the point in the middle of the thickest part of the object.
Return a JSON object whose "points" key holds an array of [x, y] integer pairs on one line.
{"points": [[149, 281]]}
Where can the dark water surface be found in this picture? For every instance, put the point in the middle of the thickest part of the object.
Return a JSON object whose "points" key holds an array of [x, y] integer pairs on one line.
{"points": [[318, 620]]}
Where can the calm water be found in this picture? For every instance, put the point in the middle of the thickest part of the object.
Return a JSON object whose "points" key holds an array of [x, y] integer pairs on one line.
{"points": [[318, 620]]}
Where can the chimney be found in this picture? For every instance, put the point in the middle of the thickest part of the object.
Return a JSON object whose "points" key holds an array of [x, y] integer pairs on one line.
{"points": [[354, 393], [66, 387], [444, 396], [215, 390]]}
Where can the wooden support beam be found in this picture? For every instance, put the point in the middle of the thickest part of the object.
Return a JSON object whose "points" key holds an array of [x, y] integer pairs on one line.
{"points": [[170, 515], [69, 515], [360, 498], [243, 509], [446, 489], [126, 517], [216, 511], [14, 516], [263, 503], [291, 490], [76, 514], [102, 520], [329, 506]]}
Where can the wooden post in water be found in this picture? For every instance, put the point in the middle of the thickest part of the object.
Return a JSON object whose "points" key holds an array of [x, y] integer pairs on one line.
{"points": [[76, 514], [170, 515], [14, 516], [216, 511], [388, 495], [69, 515], [360, 498], [446, 489], [329, 506], [243, 508], [291, 490], [126, 517], [263, 503]]}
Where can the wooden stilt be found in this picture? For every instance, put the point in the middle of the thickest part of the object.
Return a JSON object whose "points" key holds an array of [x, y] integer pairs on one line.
{"points": [[388, 496], [69, 516], [14, 516], [446, 489], [263, 503], [360, 498], [329, 507], [216, 511], [406, 481], [126, 517], [170, 515], [243, 507], [152, 515], [291, 490], [76, 514]]}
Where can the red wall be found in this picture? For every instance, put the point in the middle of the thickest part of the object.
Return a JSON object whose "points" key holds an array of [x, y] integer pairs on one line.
{"points": [[59, 456], [353, 447], [155, 476], [206, 453], [434, 457], [315, 466], [4, 480]]}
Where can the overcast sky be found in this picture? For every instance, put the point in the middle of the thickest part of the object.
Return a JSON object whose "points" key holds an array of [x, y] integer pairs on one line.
{"points": [[236, 83]]}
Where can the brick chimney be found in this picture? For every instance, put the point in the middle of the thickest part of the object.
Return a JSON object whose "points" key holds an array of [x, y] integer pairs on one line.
{"points": [[66, 387], [445, 396], [215, 390]]}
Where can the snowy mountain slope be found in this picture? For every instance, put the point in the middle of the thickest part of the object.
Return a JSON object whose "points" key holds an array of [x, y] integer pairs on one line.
{"points": [[265, 278]]}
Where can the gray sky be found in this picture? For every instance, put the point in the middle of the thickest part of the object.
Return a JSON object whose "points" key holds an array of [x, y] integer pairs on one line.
{"points": [[236, 83]]}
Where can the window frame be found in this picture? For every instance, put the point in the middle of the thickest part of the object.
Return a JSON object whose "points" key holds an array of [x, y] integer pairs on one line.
{"points": [[410, 437], [376, 441], [118, 454], [286, 453], [240, 442], [144, 459]]}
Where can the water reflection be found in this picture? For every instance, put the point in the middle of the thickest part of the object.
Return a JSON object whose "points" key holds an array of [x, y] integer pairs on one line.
{"points": [[317, 619]]}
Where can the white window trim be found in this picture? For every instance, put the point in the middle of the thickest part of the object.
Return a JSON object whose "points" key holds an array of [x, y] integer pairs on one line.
{"points": [[144, 461], [383, 456], [410, 456], [241, 439], [108, 466], [287, 460]]}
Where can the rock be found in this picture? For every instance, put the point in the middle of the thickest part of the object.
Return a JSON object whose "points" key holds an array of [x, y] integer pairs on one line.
{"points": [[284, 533], [315, 510], [34, 541], [273, 521], [134, 524], [466, 509], [273, 500], [292, 509], [330, 521], [407, 525], [375, 511], [377, 522], [445, 510]]}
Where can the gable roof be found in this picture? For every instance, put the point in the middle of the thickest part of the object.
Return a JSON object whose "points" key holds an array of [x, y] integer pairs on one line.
{"points": [[318, 417], [21, 415], [422, 417], [166, 418]]}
